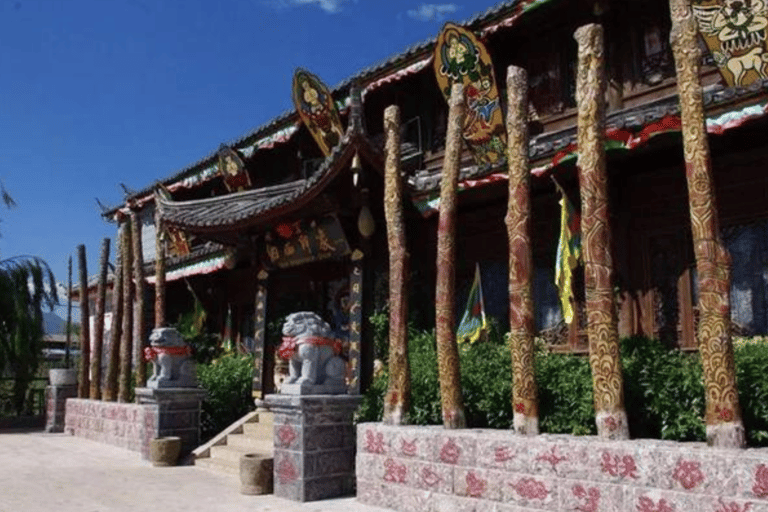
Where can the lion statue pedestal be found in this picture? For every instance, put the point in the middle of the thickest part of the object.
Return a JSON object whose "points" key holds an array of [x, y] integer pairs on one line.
{"points": [[312, 352]]}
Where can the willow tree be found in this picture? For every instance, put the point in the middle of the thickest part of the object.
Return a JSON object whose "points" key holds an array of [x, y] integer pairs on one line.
{"points": [[26, 287]]}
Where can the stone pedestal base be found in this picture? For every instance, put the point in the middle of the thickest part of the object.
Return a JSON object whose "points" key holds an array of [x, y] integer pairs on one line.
{"points": [[314, 445], [55, 402], [173, 412]]}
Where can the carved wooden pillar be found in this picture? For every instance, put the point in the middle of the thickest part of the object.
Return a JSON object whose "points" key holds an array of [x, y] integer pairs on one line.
{"points": [[355, 320], [159, 270], [398, 398], [138, 314], [110, 385], [98, 325], [445, 297], [83, 388], [602, 320], [723, 416], [259, 333], [518, 220], [126, 341]]}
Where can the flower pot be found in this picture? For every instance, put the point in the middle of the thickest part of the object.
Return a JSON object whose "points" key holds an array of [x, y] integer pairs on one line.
{"points": [[255, 474], [164, 451], [62, 377]]}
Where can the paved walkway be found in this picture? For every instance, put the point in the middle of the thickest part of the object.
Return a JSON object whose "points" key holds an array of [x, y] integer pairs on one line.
{"points": [[58, 472]]}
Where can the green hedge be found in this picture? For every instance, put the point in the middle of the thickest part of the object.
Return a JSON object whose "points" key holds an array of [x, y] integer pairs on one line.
{"points": [[228, 381], [664, 391]]}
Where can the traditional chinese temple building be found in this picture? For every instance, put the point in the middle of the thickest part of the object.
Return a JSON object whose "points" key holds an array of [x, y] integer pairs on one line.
{"points": [[270, 223]]}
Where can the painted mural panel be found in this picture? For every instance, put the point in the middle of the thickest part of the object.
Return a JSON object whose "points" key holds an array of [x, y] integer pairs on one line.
{"points": [[735, 33], [461, 57]]}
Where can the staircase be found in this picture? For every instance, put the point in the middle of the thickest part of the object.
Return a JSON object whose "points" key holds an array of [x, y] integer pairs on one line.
{"points": [[250, 434]]}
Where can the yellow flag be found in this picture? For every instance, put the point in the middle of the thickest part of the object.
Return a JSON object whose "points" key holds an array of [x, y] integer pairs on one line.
{"points": [[568, 254]]}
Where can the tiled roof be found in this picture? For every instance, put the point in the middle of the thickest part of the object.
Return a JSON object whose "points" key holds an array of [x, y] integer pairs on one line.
{"points": [[510, 8]]}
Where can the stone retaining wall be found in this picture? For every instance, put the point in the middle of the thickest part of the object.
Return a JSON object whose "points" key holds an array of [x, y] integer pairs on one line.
{"points": [[128, 426], [432, 469]]}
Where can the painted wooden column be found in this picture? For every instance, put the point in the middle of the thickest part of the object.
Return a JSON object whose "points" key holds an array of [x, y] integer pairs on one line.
{"points": [[398, 398], [140, 340], [259, 333], [602, 320], [159, 271], [518, 220], [355, 321], [723, 413], [126, 341], [84, 382], [98, 324], [445, 296], [110, 385]]}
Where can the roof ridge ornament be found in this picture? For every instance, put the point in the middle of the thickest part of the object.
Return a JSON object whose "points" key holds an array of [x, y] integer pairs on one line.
{"points": [[315, 105]]}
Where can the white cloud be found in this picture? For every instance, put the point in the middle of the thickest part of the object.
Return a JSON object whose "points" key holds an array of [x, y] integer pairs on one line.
{"points": [[432, 12], [330, 6]]}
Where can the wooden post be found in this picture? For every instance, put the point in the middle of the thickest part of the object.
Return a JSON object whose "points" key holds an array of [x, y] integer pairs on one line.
{"points": [[602, 321], [723, 412], [524, 393], [259, 333], [355, 321], [68, 339], [159, 270], [126, 341], [83, 388], [445, 299], [398, 398], [138, 314], [110, 385], [98, 325]]}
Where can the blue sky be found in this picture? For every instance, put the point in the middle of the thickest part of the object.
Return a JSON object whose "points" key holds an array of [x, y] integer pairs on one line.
{"points": [[95, 93]]}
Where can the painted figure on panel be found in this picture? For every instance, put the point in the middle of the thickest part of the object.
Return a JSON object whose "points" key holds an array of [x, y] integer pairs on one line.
{"points": [[233, 171], [316, 107], [735, 33], [461, 57]]}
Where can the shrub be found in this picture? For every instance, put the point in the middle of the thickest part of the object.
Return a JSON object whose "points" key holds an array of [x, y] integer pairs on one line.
{"points": [[565, 394], [228, 381], [752, 378]]}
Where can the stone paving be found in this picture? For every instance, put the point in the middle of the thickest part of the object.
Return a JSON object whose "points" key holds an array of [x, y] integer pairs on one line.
{"points": [[47, 472]]}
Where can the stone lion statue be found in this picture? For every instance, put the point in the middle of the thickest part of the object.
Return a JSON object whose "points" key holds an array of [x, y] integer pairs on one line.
{"points": [[172, 366], [312, 352]]}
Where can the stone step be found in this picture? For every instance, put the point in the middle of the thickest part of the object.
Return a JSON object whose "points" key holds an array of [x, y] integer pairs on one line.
{"points": [[231, 453], [250, 443], [219, 465], [265, 418], [262, 430]]}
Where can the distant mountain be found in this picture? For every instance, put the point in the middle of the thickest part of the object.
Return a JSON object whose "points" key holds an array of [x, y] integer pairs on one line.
{"points": [[53, 323]]}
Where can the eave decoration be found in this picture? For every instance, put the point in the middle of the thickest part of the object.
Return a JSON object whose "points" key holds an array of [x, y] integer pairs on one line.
{"points": [[178, 240], [316, 108], [232, 170], [461, 57], [735, 33]]}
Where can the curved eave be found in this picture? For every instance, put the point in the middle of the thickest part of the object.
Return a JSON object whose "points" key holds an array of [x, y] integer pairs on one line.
{"points": [[241, 210]]}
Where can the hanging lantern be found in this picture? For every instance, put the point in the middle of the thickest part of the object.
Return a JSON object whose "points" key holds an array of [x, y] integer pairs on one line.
{"points": [[365, 222]]}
